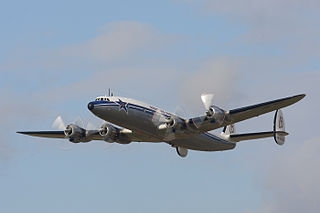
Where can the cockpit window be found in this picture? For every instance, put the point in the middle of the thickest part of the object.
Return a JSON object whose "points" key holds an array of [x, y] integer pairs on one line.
{"points": [[102, 99]]}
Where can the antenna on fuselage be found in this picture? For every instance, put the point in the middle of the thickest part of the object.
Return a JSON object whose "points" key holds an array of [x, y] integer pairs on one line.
{"points": [[110, 93]]}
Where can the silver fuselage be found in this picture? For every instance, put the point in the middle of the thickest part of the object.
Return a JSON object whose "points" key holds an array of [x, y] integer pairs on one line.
{"points": [[144, 120]]}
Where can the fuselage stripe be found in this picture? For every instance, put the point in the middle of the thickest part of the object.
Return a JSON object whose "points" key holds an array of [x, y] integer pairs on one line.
{"points": [[130, 106]]}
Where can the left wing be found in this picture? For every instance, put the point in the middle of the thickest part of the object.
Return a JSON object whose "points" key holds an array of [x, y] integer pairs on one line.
{"points": [[243, 113], [220, 118]]}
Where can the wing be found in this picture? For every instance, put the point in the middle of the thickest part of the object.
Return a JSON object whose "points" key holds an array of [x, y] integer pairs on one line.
{"points": [[243, 113], [205, 123], [121, 136], [45, 134]]}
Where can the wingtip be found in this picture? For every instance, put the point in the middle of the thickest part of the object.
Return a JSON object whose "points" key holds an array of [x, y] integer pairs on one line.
{"points": [[23, 133], [298, 97]]}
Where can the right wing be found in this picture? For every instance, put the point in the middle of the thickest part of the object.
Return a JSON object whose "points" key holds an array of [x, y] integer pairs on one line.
{"points": [[45, 134], [116, 135]]}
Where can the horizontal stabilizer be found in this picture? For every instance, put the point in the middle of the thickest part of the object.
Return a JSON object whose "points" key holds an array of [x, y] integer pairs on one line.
{"points": [[257, 135]]}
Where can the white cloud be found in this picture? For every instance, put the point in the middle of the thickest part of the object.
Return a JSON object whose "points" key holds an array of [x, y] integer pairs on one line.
{"points": [[216, 76], [291, 182], [118, 40], [17, 111], [287, 177], [287, 29]]}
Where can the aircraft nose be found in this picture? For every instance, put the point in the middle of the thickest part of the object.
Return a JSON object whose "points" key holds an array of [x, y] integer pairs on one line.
{"points": [[90, 106]]}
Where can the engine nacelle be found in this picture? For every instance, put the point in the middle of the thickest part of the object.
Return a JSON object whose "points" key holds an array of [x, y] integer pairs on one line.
{"points": [[173, 123], [75, 133], [108, 132], [216, 113]]}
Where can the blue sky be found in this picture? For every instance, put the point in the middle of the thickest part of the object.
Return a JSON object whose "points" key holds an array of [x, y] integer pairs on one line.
{"points": [[55, 57]]}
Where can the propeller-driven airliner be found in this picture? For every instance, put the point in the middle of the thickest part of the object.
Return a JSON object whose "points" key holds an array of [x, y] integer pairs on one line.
{"points": [[128, 120]]}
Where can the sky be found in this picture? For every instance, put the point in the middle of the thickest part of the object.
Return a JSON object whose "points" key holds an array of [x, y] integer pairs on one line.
{"points": [[56, 56]]}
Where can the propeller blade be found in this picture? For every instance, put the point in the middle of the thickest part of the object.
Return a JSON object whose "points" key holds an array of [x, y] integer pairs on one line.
{"points": [[181, 112], [59, 124], [207, 100], [91, 126], [79, 122], [158, 118]]}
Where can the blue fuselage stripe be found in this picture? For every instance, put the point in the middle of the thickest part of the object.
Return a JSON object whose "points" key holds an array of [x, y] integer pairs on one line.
{"points": [[130, 105]]}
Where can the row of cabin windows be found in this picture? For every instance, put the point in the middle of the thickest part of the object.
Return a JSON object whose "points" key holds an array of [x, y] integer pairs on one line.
{"points": [[102, 99]]}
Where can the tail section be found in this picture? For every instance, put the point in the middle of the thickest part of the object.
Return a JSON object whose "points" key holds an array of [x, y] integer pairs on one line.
{"points": [[278, 132], [229, 130], [279, 128]]}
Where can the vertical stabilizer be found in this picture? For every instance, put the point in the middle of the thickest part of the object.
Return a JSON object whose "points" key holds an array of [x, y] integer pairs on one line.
{"points": [[279, 128], [229, 130]]}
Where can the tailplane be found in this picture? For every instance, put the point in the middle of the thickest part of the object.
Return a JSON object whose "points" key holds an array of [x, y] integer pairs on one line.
{"points": [[278, 132]]}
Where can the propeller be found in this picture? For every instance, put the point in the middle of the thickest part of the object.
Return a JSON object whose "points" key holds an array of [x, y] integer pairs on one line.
{"points": [[163, 123], [79, 122], [207, 100], [58, 124], [181, 112], [167, 124]]}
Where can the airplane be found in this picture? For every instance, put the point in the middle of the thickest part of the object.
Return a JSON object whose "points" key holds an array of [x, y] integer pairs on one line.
{"points": [[128, 120]]}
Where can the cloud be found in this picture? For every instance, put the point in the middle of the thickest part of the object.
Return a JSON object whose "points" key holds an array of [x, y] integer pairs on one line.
{"points": [[217, 76], [116, 41], [16, 111], [276, 30], [291, 182], [287, 177], [257, 11]]}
